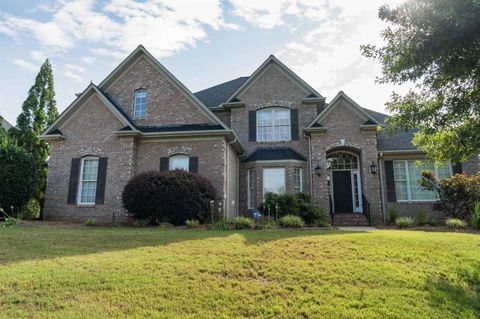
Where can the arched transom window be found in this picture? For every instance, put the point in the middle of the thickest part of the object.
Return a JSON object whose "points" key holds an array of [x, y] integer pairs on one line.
{"points": [[273, 124], [342, 160]]}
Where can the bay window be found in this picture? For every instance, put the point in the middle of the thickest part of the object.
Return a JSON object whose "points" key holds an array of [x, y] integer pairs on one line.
{"points": [[251, 189], [298, 180], [273, 180]]}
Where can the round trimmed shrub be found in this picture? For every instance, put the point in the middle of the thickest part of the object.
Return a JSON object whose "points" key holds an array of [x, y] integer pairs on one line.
{"points": [[455, 223], [171, 197], [404, 222], [292, 221], [31, 210]]}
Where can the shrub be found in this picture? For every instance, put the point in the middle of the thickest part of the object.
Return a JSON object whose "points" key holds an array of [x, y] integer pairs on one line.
{"points": [[11, 222], [172, 197], [299, 204], [421, 219], [292, 221], [192, 223], [18, 176], [455, 223], [31, 210], [220, 225], [476, 215], [457, 194], [243, 223], [91, 222], [404, 222], [142, 222], [269, 226], [432, 222], [393, 214]]}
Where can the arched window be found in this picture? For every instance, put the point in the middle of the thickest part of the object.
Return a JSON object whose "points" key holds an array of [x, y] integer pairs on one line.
{"points": [[140, 104], [342, 160], [88, 180], [273, 124], [179, 162]]}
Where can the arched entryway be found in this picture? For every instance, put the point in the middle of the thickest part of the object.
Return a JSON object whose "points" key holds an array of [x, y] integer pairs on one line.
{"points": [[345, 185]]}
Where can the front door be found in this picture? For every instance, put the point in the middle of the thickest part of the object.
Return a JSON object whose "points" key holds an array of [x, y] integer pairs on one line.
{"points": [[342, 191]]}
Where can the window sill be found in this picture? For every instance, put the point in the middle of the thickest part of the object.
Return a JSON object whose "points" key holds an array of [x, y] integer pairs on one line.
{"points": [[424, 201], [271, 142], [85, 205]]}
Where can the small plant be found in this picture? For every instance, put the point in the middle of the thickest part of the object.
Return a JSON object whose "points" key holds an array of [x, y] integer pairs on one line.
{"points": [[115, 225], [31, 210], [220, 225], [292, 221], [243, 223], [476, 216], [91, 222], [404, 222], [432, 222], [165, 225], [393, 214], [192, 223], [141, 222], [11, 222], [269, 226], [455, 223], [421, 219]]}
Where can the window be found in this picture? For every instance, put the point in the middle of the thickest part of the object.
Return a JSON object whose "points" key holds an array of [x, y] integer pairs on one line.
{"points": [[273, 180], [140, 104], [179, 162], [406, 176], [251, 188], [273, 124], [298, 180], [88, 181]]}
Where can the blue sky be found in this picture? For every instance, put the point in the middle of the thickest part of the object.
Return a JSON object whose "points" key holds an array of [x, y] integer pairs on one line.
{"points": [[202, 42]]}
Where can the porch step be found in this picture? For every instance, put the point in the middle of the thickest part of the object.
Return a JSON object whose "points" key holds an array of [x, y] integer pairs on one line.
{"points": [[350, 220]]}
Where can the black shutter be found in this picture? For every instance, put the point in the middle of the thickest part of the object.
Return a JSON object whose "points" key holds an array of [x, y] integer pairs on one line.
{"points": [[101, 180], [294, 123], [457, 168], [73, 183], [164, 164], [193, 164], [252, 126], [390, 179]]}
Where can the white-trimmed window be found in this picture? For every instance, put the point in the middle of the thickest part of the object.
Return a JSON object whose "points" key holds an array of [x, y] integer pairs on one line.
{"points": [[251, 188], [273, 124], [88, 181], [298, 180], [406, 175], [273, 180], [179, 162], [140, 104]]}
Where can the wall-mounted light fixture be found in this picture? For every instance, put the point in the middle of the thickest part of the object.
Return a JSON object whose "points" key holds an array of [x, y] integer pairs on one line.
{"points": [[318, 170], [373, 168]]}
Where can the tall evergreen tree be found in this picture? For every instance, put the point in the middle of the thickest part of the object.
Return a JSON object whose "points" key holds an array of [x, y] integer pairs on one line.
{"points": [[38, 111]]}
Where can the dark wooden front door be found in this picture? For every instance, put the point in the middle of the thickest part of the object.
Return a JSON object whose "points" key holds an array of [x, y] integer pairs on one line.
{"points": [[342, 191]]}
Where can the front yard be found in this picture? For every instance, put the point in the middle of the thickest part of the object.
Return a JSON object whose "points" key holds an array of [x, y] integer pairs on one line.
{"points": [[154, 273]]}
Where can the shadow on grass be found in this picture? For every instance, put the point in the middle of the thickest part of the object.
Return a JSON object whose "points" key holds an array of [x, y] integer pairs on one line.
{"points": [[462, 296], [21, 244]]}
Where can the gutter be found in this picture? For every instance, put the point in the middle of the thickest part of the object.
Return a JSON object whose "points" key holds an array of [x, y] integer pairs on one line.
{"points": [[382, 193], [310, 176]]}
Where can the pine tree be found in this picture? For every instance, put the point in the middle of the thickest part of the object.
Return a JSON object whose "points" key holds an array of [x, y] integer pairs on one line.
{"points": [[38, 111]]}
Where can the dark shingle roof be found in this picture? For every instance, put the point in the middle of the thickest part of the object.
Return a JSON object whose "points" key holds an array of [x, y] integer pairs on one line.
{"points": [[54, 132], [274, 153], [219, 94]]}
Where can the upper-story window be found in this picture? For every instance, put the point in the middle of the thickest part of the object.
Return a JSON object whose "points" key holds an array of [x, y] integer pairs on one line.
{"points": [[179, 162], [273, 124], [140, 104]]}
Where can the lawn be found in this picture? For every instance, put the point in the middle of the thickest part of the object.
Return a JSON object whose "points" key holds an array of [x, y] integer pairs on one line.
{"points": [[154, 273]]}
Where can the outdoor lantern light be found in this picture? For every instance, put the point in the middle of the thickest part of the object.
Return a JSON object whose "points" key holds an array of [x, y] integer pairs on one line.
{"points": [[373, 168], [318, 170]]}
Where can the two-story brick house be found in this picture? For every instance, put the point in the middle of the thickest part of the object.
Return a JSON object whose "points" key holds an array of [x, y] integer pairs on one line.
{"points": [[269, 132]]}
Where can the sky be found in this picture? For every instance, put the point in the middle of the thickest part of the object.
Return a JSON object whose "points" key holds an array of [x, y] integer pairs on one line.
{"points": [[203, 43]]}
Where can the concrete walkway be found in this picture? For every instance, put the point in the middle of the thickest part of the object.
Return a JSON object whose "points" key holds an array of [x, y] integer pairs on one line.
{"points": [[357, 228]]}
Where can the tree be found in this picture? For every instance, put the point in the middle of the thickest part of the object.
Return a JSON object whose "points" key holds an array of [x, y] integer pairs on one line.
{"points": [[436, 45], [38, 111]]}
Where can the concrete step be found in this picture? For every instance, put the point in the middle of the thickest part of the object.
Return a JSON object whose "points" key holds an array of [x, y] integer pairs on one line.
{"points": [[350, 220]]}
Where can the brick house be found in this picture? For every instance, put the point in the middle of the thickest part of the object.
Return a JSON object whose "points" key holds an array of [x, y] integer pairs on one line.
{"points": [[269, 132]]}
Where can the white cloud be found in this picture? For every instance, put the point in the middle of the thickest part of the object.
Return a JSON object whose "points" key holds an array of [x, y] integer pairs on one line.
{"points": [[88, 59], [28, 66], [74, 68]]}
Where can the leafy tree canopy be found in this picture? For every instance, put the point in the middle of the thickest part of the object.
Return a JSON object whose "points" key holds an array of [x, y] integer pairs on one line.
{"points": [[436, 45]]}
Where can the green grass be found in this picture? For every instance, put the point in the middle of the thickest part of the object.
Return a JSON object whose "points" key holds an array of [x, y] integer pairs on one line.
{"points": [[153, 273]]}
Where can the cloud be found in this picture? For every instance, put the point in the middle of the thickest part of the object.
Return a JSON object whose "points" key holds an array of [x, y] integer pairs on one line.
{"points": [[28, 66], [88, 59]]}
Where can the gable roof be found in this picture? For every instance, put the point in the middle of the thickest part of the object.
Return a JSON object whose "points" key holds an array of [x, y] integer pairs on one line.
{"points": [[274, 154], [5, 123], [132, 57], [216, 95], [272, 60], [370, 119]]}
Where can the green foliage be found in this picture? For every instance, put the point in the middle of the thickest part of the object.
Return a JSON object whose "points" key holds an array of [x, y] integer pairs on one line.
{"points": [[432, 222], [457, 194], [421, 218], [243, 223], [436, 44], [292, 221], [18, 176], [299, 204], [38, 111], [31, 210], [11, 222], [455, 223], [393, 214], [91, 222], [269, 226], [192, 223], [142, 222], [404, 222], [476, 216], [220, 225]]}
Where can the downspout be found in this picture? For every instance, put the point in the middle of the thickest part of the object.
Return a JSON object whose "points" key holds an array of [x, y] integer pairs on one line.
{"points": [[310, 176], [382, 195]]}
